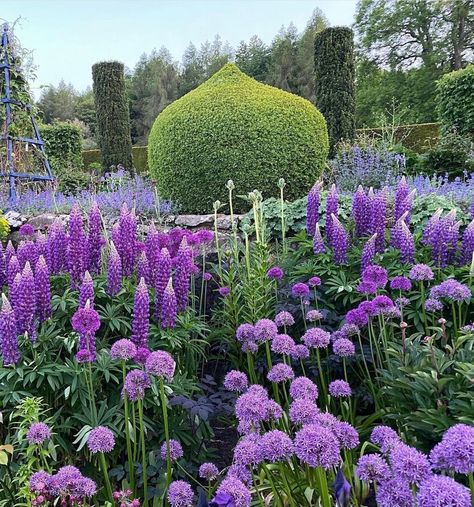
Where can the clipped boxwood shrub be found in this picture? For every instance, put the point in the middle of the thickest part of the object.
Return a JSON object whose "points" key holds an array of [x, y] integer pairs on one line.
{"points": [[63, 145], [456, 101], [232, 127]]}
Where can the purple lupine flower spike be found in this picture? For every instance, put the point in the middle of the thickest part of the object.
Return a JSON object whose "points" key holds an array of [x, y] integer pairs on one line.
{"points": [[76, 251], [114, 271], [406, 244], [396, 232], [25, 309], [182, 274], [152, 249], [379, 218], [368, 252], [13, 268], [162, 277], [13, 290], [9, 252], [57, 247], [318, 242], [361, 212], [312, 209], [340, 240], [125, 239], [443, 239], [95, 241], [86, 292], [431, 226], [43, 290], [141, 315], [400, 195], [8, 334], [467, 244], [170, 307], [27, 251], [3, 267], [86, 322], [332, 207], [143, 268]]}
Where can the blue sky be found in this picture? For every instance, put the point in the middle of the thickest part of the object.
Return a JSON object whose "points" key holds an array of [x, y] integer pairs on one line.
{"points": [[68, 36]]}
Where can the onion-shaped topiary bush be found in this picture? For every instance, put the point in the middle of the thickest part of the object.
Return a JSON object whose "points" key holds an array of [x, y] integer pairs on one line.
{"points": [[232, 127]]}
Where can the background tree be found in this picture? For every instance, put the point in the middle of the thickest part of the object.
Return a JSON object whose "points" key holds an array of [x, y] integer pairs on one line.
{"points": [[58, 102]]}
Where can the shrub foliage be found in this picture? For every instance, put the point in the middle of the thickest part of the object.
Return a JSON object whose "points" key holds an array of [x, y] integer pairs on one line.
{"points": [[232, 127], [63, 145]]}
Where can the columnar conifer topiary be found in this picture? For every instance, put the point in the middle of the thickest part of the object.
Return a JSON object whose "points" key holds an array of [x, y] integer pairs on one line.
{"points": [[334, 71], [232, 127], [113, 120]]}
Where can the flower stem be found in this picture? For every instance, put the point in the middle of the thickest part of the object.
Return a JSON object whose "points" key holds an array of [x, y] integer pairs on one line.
{"points": [[103, 465], [164, 408], [144, 462], [127, 434]]}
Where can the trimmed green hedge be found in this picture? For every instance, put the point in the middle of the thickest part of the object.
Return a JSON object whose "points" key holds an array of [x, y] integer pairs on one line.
{"points": [[139, 156], [232, 127], [63, 145], [456, 101]]}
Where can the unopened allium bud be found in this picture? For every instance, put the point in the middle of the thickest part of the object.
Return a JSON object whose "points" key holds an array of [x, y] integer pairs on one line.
{"points": [[230, 185], [281, 183]]}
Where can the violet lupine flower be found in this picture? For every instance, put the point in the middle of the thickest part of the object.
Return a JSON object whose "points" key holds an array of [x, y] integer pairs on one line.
{"points": [[379, 219], [38, 433], [339, 241], [343, 347], [455, 452], [183, 274], [152, 250], [283, 344], [3, 267], [303, 411], [373, 468], [401, 194], [100, 439], [265, 330], [275, 446], [316, 338], [443, 239], [332, 207], [76, 248], [284, 319], [13, 268], [208, 471], [124, 236], [236, 381], [361, 212], [42, 290], [401, 283], [9, 253], [467, 244], [86, 322], [27, 251], [163, 275], [161, 364], [123, 350], [25, 303], [409, 464], [317, 446], [303, 388], [406, 244], [394, 492], [433, 305], [141, 315], [180, 494], [86, 292], [275, 273], [431, 227], [312, 209], [8, 334], [57, 247], [136, 382], [385, 437], [143, 268], [318, 242], [114, 271], [42, 246], [340, 389], [368, 252], [95, 241], [442, 491], [280, 373], [175, 450], [421, 272], [169, 307], [234, 492]]}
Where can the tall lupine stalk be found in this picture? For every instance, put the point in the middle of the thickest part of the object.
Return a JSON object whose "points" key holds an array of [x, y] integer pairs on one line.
{"points": [[14, 290], [9, 253], [86, 292], [143, 268], [401, 194], [169, 308], [124, 236], [318, 242], [443, 238], [141, 315], [467, 244], [361, 212], [162, 276], [332, 208], [431, 226], [379, 218], [368, 252], [8, 334], [27, 251], [95, 240], [42, 245], [114, 271], [396, 232], [57, 247], [152, 249], [312, 208], [25, 309], [340, 241], [13, 268], [406, 244], [43, 290], [76, 251], [183, 262], [3, 267]]}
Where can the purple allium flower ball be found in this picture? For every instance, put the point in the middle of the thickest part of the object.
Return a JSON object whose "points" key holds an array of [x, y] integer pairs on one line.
{"points": [[276, 273], [38, 433], [326, 420], [340, 389], [300, 290], [394, 492], [366, 287], [317, 338], [317, 446], [346, 434], [207, 277], [421, 272], [357, 317], [39, 482], [176, 451], [247, 451], [303, 388], [251, 347], [433, 305], [123, 349], [208, 471], [302, 411], [343, 347], [100, 439], [452, 290], [275, 446], [283, 344], [314, 281], [223, 291], [236, 381], [205, 236], [161, 364], [442, 491], [180, 494], [372, 467], [85, 320], [300, 352], [245, 333], [265, 330], [27, 230], [382, 302], [314, 315], [455, 452], [235, 491], [136, 382], [375, 274], [274, 411], [402, 301], [400, 283], [385, 437], [240, 472], [280, 373], [284, 319]]}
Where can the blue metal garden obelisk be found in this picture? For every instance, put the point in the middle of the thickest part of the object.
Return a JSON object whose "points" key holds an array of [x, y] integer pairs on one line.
{"points": [[8, 167]]}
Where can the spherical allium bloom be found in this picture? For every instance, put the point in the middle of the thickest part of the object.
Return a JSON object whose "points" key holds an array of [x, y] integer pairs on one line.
{"points": [[86, 320], [340, 389], [326, 420], [433, 305], [385, 437], [245, 333], [346, 434], [317, 338], [452, 290], [300, 352], [303, 388], [180, 494], [176, 451], [68, 481], [421, 272], [280, 373], [223, 291], [247, 451], [265, 330], [381, 303], [394, 492], [284, 319], [372, 467], [251, 347], [300, 290], [39, 482], [375, 274], [235, 491], [358, 317], [136, 382], [442, 491], [350, 330], [208, 471], [161, 364], [38, 433], [207, 277], [205, 236], [236, 381], [142, 355], [274, 410], [314, 315], [303, 411], [100, 439], [343, 347], [276, 273], [240, 472], [402, 301], [455, 452], [317, 446], [391, 312], [366, 287], [283, 344], [369, 308], [275, 446], [251, 407], [314, 281], [123, 350], [27, 230], [400, 283]]}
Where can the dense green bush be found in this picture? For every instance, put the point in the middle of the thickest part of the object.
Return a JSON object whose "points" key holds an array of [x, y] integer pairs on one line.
{"points": [[334, 70], [63, 145], [233, 127], [139, 157], [113, 119], [456, 100]]}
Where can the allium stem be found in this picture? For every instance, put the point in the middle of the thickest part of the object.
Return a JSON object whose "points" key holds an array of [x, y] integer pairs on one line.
{"points": [[323, 486], [283, 224], [90, 388], [322, 379], [164, 408], [423, 311], [144, 462], [471, 486], [127, 433], [103, 465]]}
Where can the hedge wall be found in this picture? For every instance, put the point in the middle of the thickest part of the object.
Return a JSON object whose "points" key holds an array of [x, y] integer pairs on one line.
{"points": [[63, 145], [139, 156]]}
